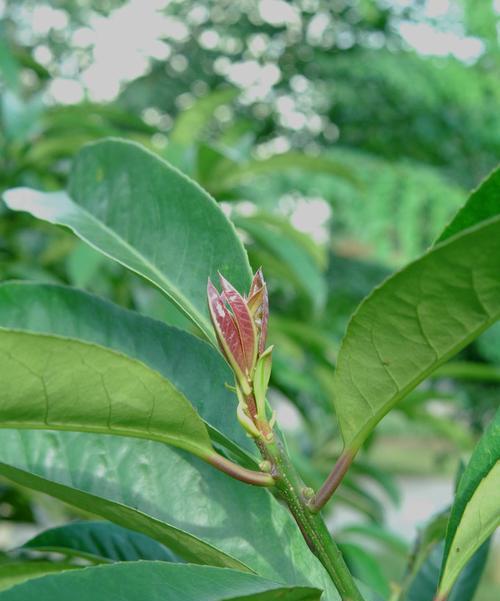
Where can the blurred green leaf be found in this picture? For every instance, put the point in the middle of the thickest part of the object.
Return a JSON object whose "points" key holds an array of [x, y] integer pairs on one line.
{"points": [[376, 533], [191, 123], [82, 264], [365, 567], [98, 542], [227, 176], [9, 66], [299, 257]]}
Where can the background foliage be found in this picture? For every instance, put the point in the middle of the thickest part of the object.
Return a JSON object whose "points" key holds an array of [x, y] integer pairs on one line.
{"points": [[340, 152]]}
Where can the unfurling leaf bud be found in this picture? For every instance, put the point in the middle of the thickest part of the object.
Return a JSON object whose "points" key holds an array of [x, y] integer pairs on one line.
{"points": [[240, 324]]}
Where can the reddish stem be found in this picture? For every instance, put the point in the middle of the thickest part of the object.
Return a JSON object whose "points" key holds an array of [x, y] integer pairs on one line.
{"points": [[332, 482]]}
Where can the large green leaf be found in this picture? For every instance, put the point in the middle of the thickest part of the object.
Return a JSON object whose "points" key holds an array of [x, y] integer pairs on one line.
{"points": [[476, 511], [156, 581], [99, 542], [16, 572], [137, 209], [482, 204], [181, 358], [199, 513], [56, 383], [414, 322]]}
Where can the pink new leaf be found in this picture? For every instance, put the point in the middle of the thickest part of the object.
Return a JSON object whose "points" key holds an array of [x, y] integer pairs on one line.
{"points": [[244, 323], [225, 327]]}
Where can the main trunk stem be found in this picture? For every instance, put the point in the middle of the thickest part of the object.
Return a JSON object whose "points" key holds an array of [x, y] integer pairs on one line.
{"points": [[313, 528]]}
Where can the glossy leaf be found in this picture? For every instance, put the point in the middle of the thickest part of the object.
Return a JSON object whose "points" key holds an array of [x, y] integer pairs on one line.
{"points": [[16, 572], [414, 322], [176, 355], [168, 495], [53, 383], [483, 203], [476, 512], [157, 581], [137, 209], [99, 542]]}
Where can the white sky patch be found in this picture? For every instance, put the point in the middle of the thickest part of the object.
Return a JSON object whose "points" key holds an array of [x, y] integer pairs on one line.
{"points": [[437, 8], [428, 40], [124, 42], [46, 18], [311, 216], [278, 13], [256, 79], [66, 91]]}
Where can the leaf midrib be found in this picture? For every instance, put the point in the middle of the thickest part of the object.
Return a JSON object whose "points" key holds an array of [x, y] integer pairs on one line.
{"points": [[179, 299]]}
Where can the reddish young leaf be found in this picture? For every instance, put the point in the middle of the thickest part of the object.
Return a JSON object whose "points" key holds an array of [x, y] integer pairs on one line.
{"points": [[225, 328], [244, 323]]}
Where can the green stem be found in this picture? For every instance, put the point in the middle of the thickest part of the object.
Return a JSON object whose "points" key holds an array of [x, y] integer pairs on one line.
{"points": [[313, 528]]}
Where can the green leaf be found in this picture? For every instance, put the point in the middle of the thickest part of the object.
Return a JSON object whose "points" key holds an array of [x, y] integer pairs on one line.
{"points": [[476, 512], [414, 322], [483, 204], [168, 495], [179, 357], [99, 542], [135, 208], [156, 581], [56, 383], [16, 572]]}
